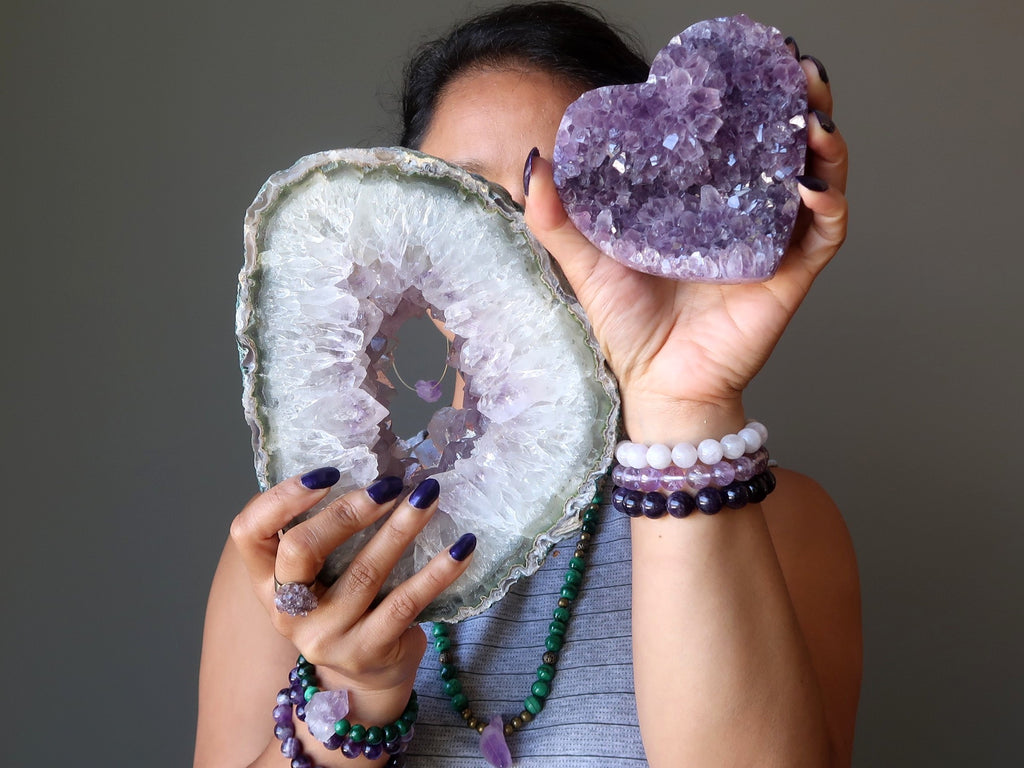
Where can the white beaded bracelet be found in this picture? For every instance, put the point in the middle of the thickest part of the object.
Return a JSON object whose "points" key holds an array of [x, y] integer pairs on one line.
{"points": [[685, 455]]}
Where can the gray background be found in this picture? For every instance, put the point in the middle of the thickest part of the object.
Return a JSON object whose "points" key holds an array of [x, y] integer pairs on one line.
{"points": [[134, 135]]}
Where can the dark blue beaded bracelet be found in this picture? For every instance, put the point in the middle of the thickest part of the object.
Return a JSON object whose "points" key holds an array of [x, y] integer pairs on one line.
{"points": [[679, 504], [708, 500], [653, 505]]}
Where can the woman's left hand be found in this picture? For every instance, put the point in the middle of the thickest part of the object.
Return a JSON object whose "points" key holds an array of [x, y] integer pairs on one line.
{"points": [[683, 352]]}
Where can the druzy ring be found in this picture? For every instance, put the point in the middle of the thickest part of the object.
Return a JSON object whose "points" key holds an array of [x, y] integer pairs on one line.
{"points": [[294, 598]]}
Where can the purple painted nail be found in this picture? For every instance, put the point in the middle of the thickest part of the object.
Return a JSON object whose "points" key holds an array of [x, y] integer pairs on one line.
{"points": [[813, 183], [824, 121], [528, 170], [425, 494], [821, 67], [463, 548], [384, 490], [321, 478], [796, 48]]}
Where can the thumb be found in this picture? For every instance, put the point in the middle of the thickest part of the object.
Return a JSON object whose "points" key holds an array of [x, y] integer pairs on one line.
{"points": [[550, 224]]}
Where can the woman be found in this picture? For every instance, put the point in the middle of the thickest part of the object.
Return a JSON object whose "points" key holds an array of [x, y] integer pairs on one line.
{"points": [[745, 626]]}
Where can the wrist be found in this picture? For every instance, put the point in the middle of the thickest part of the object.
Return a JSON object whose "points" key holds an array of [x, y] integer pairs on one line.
{"points": [[658, 419]]}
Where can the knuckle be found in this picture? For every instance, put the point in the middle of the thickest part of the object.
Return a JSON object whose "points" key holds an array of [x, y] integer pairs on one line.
{"points": [[362, 575], [342, 513], [298, 546], [402, 608]]}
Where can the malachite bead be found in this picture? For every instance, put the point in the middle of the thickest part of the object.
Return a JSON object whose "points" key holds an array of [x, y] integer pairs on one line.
{"points": [[562, 614], [310, 690], [342, 727], [301, 660], [590, 526], [590, 516], [448, 671], [577, 564], [533, 705], [540, 689], [459, 702], [374, 735], [554, 642], [306, 671], [440, 630], [443, 643], [573, 578], [545, 672], [391, 732], [402, 725], [453, 686], [557, 627], [569, 592], [357, 733]]}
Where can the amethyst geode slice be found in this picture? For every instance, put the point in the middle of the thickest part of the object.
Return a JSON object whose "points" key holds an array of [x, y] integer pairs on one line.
{"points": [[341, 249], [691, 175]]}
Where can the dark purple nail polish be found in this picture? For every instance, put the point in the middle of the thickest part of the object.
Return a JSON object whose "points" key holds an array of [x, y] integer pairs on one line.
{"points": [[321, 478], [425, 493], [528, 170], [824, 121], [384, 490], [813, 183], [463, 548], [796, 48], [821, 67]]}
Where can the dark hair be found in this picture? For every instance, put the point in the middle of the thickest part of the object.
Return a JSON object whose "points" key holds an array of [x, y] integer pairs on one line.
{"points": [[565, 39]]}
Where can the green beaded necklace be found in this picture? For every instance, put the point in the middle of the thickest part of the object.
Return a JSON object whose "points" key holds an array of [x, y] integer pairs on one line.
{"points": [[541, 688]]}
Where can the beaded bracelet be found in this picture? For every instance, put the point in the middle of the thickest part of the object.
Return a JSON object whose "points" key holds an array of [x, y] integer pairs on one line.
{"points": [[685, 455], [698, 476], [708, 500], [353, 740]]}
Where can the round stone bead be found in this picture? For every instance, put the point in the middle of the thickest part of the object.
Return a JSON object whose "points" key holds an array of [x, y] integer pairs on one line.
{"points": [[459, 702], [769, 481], [684, 455], [698, 476], [453, 686], [659, 456], [631, 454], [733, 446], [448, 671], [674, 479], [744, 468], [540, 689], [708, 500], [751, 439], [760, 429], [357, 733], [545, 672], [557, 627], [577, 564], [709, 451], [302, 761], [351, 749], [284, 696], [653, 505], [680, 504], [533, 705], [627, 501], [373, 751], [439, 629], [310, 691], [342, 727], [569, 592], [392, 747], [284, 731], [403, 726], [722, 474], [554, 642], [300, 711], [736, 495], [282, 713], [391, 733], [649, 479], [757, 490], [291, 747], [573, 578], [334, 742], [442, 643], [589, 526], [562, 614], [374, 735]]}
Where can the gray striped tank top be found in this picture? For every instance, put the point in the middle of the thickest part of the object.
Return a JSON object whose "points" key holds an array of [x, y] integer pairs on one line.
{"points": [[589, 719]]}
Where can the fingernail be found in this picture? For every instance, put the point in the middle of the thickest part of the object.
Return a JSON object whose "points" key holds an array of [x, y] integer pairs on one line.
{"points": [[796, 48], [813, 183], [384, 490], [319, 479], [529, 169], [821, 67], [824, 121], [425, 493], [463, 548]]}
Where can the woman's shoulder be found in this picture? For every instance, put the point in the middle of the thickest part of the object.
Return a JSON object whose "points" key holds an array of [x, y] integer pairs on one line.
{"points": [[818, 562]]}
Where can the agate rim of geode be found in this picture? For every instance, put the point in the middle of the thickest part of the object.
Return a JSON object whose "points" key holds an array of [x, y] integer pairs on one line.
{"points": [[494, 200]]}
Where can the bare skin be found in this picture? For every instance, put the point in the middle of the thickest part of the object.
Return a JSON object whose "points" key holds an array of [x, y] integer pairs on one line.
{"points": [[747, 644]]}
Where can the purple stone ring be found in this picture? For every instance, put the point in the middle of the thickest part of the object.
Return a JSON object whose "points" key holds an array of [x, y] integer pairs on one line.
{"points": [[692, 174], [294, 598]]}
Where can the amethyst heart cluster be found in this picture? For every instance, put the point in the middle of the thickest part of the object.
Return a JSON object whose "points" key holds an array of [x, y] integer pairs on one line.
{"points": [[691, 175]]}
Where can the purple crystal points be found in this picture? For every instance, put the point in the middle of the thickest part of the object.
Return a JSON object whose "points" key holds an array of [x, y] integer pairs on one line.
{"points": [[691, 175], [493, 746], [295, 599], [324, 709]]}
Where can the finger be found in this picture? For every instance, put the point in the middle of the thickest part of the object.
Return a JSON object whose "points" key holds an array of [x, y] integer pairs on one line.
{"points": [[255, 529], [547, 219], [406, 602], [819, 92], [820, 238], [361, 582], [304, 548], [828, 159]]}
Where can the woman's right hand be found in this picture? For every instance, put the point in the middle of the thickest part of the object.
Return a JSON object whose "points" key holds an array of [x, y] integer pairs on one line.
{"points": [[371, 650]]}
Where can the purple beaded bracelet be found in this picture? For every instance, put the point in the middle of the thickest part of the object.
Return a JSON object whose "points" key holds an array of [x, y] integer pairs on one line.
{"points": [[708, 500], [693, 479], [301, 688]]}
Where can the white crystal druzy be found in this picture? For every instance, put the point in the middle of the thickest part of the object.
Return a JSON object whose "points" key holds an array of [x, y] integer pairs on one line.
{"points": [[335, 247]]}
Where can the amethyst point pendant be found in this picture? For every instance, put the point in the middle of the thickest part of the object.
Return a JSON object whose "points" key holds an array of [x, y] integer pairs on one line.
{"points": [[493, 746], [692, 174]]}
